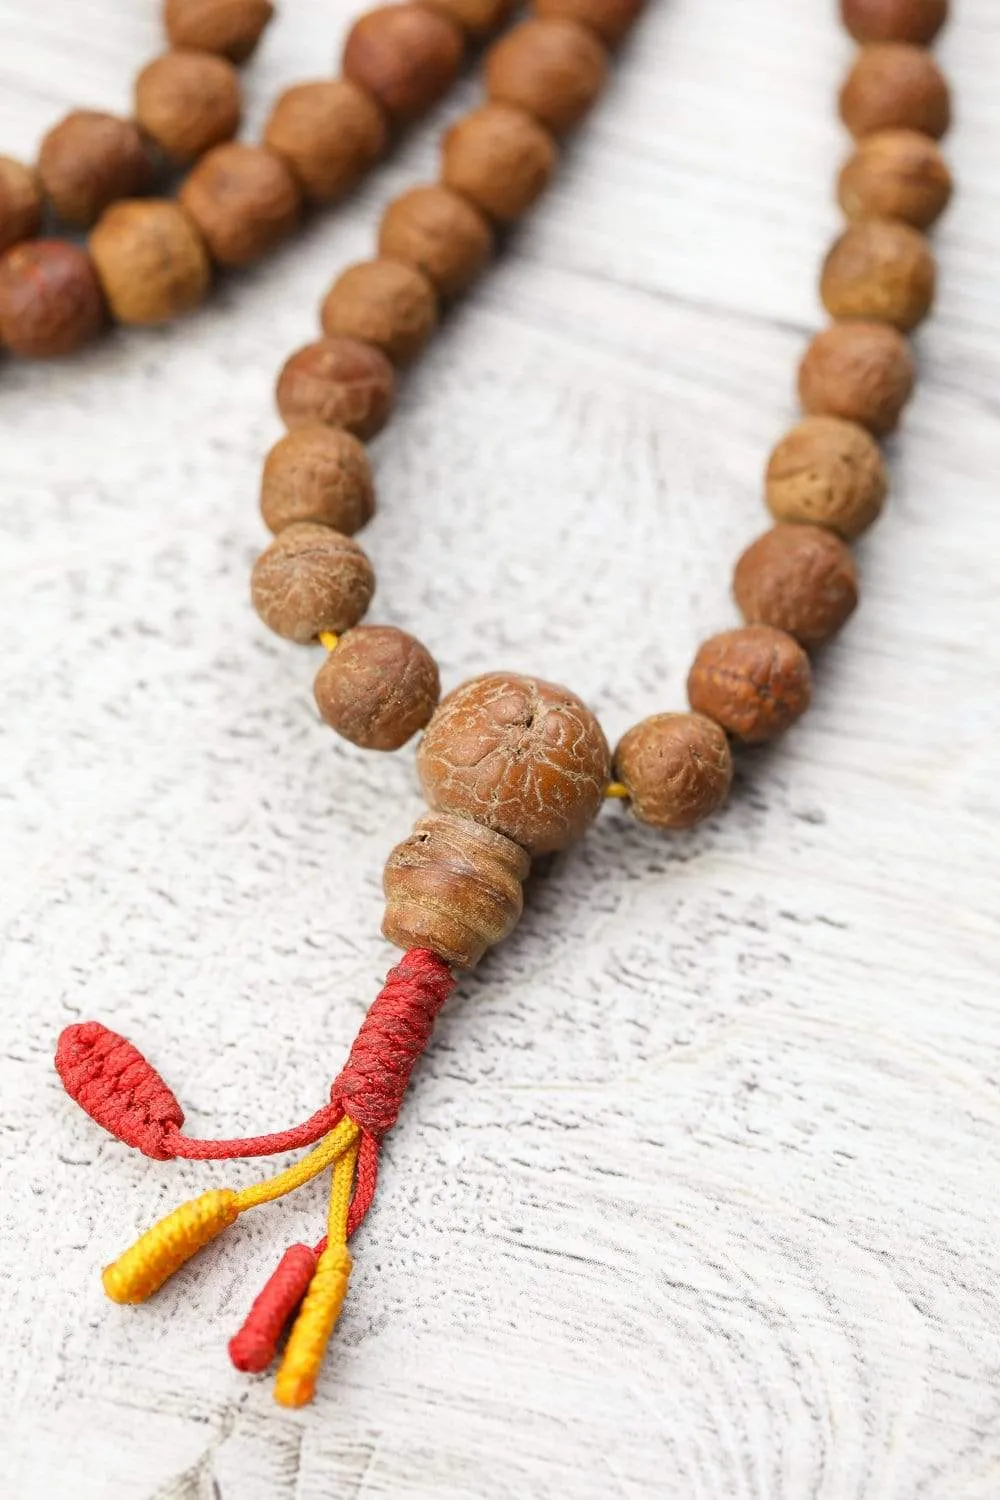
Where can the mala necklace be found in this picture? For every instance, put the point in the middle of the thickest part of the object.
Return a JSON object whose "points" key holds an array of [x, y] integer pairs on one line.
{"points": [[513, 767]]}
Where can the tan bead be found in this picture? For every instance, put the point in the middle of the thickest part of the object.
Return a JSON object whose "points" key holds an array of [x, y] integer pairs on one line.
{"points": [[895, 87], [318, 474], [477, 18], [311, 579], [882, 272], [407, 56], [607, 19], [329, 133], [231, 28], [151, 260], [50, 299], [385, 303], [89, 160], [440, 234], [554, 70], [188, 102], [454, 887], [378, 687], [244, 201], [755, 682], [500, 159], [863, 372], [524, 757], [896, 174], [339, 382], [800, 579], [678, 769], [917, 21], [827, 472], [20, 202]]}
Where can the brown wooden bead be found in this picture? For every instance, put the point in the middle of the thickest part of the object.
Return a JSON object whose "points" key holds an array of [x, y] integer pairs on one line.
{"points": [[329, 133], [678, 769], [863, 372], [318, 474], [231, 28], [151, 260], [378, 687], [475, 17], [244, 201], [800, 579], [20, 202], [406, 55], [524, 757], [895, 87], [500, 159], [384, 302], [917, 21], [50, 298], [454, 887], [607, 19], [554, 70], [827, 472], [880, 271], [311, 579], [188, 102], [754, 681], [339, 382], [896, 174], [89, 160], [440, 234]]}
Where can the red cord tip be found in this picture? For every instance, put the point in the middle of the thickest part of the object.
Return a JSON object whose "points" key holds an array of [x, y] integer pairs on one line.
{"points": [[118, 1088], [254, 1347]]}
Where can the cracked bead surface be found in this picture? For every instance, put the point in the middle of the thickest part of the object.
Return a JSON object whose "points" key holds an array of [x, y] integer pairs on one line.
{"points": [[827, 472], [378, 687], [311, 579], [187, 102], [800, 579], [754, 681], [880, 271], [319, 474], [341, 382], [677, 767], [862, 372], [329, 132], [524, 757], [895, 87], [385, 303]]}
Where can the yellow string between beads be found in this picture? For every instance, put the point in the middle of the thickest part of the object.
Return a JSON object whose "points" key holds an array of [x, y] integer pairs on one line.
{"points": [[295, 1382], [617, 789], [329, 640], [167, 1245]]}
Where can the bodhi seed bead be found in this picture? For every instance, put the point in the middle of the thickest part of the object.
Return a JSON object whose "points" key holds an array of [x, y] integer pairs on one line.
{"points": [[89, 160], [407, 56], [863, 372], [475, 17], [500, 159], [800, 579], [827, 472], [20, 202], [440, 234], [755, 682], [607, 19], [895, 87], [329, 133], [311, 579], [340, 382], [384, 302], [318, 474], [677, 767], [524, 757], [916, 21], [896, 174], [880, 271], [50, 299], [187, 102], [151, 260], [232, 28], [554, 70], [244, 200], [378, 687]]}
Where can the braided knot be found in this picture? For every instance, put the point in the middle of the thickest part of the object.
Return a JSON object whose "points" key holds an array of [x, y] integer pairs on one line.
{"points": [[118, 1088], [394, 1033]]}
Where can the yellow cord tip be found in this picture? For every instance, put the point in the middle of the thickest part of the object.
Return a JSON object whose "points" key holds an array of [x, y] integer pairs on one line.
{"points": [[166, 1246], [329, 640]]}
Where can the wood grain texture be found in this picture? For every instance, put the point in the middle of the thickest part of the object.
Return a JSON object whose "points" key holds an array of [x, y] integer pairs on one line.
{"points": [[695, 1193]]}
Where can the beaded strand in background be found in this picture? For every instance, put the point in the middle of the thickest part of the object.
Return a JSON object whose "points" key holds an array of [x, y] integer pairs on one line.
{"points": [[513, 767]]}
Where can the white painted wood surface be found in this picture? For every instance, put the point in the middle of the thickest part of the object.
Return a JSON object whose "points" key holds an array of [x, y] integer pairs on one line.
{"points": [[695, 1193]]}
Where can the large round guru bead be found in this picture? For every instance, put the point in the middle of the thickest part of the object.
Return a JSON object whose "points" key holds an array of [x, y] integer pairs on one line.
{"points": [[800, 579], [319, 474], [151, 260], [378, 687], [755, 682], [524, 757], [552, 69], [311, 579], [406, 55], [454, 887], [678, 769]]}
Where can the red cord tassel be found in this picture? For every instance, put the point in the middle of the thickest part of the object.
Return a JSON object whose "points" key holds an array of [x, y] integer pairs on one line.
{"points": [[254, 1347]]}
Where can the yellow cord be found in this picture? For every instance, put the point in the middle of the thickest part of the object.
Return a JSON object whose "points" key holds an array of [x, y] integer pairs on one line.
{"points": [[329, 640], [617, 789], [295, 1383], [320, 1157]]}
